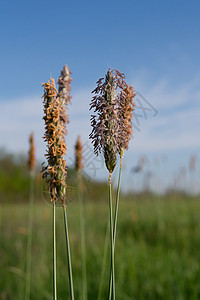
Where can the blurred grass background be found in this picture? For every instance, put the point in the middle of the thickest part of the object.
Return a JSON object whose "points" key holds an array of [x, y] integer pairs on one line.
{"points": [[157, 245]]}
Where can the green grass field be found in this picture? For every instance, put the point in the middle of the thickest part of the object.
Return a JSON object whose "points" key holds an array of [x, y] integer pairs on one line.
{"points": [[157, 250]]}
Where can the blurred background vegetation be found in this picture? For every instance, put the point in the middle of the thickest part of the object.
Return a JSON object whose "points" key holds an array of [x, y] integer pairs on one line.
{"points": [[15, 183], [157, 246]]}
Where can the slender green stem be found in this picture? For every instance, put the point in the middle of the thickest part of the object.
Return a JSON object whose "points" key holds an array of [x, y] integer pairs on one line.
{"points": [[68, 254], [29, 239], [54, 253], [82, 229], [112, 240], [106, 243], [115, 220], [117, 202]]}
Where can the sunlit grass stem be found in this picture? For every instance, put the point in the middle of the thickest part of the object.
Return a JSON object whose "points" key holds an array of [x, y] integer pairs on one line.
{"points": [[115, 220], [82, 230], [112, 239], [29, 238], [68, 254], [117, 202], [54, 253], [103, 269]]}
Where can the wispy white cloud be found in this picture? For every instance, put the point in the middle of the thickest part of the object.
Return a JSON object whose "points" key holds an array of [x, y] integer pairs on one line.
{"points": [[177, 130], [174, 128], [177, 123], [164, 94], [19, 117]]}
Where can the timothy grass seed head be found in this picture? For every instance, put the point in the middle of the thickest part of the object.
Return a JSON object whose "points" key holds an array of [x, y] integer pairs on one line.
{"points": [[55, 120], [105, 124], [64, 82], [79, 155], [125, 116], [31, 158]]}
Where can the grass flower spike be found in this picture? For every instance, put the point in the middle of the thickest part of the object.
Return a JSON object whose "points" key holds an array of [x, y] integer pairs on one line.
{"points": [[55, 119], [125, 116], [79, 167], [31, 158], [64, 82], [79, 155], [104, 133], [111, 132], [31, 166]]}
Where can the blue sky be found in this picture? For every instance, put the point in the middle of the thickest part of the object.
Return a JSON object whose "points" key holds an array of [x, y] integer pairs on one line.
{"points": [[155, 43]]}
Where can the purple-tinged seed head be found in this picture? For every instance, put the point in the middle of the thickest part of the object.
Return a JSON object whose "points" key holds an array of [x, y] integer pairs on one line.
{"points": [[111, 122]]}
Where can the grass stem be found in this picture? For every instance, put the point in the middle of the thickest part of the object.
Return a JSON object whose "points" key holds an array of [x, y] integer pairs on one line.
{"points": [[29, 239], [103, 269], [115, 220], [117, 202], [54, 252], [82, 229], [68, 254], [112, 240]]}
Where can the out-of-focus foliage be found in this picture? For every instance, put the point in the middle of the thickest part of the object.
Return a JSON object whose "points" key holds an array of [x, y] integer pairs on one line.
{"points": [[157, 249], [15, 181], [14, 177]]}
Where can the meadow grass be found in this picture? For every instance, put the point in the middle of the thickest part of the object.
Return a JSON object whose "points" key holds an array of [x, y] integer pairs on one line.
{"points": [[157, 255]]}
